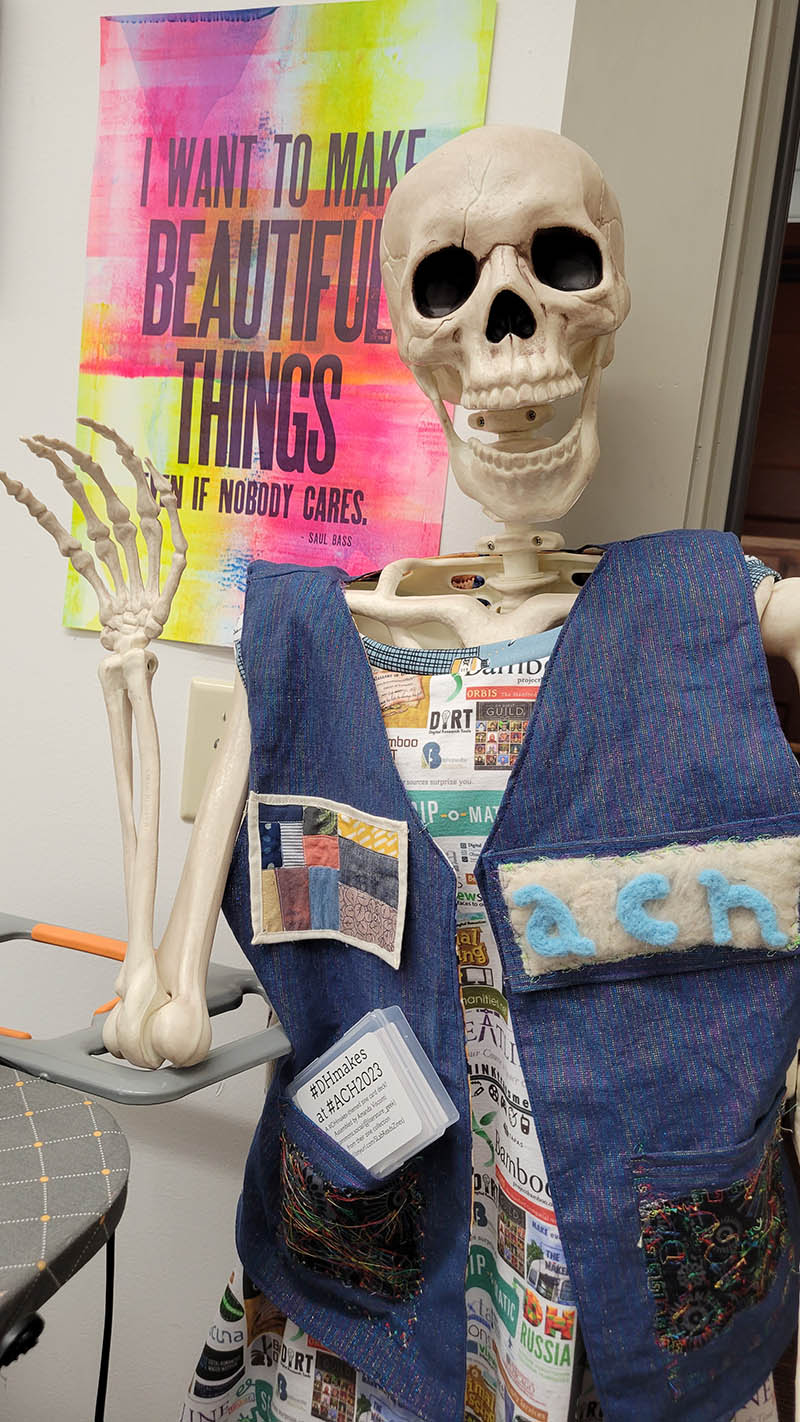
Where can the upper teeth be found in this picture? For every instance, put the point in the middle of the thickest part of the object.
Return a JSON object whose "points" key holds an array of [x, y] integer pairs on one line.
{"points": [[507, 397]]}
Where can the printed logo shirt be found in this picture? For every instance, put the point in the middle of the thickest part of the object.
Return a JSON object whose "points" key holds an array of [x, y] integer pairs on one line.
{"points": [[455, 721]]}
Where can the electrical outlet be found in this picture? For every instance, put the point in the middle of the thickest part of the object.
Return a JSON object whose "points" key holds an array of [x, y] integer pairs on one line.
{"points": [[209, 707]]}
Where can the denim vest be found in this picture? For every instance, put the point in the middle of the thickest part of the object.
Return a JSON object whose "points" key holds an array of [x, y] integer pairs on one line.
{"points": [[641, 881]]}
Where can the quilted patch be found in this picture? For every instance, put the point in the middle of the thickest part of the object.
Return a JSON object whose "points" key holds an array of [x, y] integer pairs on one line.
{"points": [[712, 1253], [320, 869]]}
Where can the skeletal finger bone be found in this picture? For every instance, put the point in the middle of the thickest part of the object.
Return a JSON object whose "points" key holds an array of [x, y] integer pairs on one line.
{"points": [[148, 511], [96, 530], [169, 501], [146, 506], [121, 523], [68, 546]]}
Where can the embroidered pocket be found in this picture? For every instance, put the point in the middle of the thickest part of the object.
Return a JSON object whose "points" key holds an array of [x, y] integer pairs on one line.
{"points": [[711, 1249], [339, 1221], [320, 869]]}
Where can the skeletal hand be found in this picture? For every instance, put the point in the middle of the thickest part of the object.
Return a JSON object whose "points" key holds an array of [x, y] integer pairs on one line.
{"points": [[132, 610], [132, 613]]}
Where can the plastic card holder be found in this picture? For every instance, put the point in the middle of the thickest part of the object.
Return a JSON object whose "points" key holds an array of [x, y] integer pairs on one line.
{"points": [[376, 1093]]}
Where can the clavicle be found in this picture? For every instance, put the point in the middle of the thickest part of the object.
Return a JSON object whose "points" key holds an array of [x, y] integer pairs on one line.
{"points": [[518, 582]]}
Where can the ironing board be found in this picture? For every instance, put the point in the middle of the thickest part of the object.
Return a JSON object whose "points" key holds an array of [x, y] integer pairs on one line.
{"points": [[63, 1181]]}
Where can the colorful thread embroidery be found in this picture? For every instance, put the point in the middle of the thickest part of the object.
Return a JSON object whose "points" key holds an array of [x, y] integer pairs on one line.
{"points": [[319, 869], [712, 1253], [370, 1240]]}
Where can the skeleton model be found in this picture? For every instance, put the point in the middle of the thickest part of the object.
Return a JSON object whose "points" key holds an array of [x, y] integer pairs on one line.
{"points": [[503, 266]]}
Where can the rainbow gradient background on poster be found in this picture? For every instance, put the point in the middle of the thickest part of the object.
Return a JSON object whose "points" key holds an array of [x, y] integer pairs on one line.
{"points": [[235, 330]]}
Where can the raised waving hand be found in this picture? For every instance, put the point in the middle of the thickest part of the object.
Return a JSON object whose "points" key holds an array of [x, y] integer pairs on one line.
{"points": [[133, 606]]}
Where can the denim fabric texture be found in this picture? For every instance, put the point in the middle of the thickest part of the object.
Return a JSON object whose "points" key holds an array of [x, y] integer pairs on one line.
{"points": [[317, 729], [655, 1082]]}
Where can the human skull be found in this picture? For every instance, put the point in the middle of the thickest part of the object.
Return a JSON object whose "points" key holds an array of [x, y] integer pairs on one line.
{"points": [[502, 259]]}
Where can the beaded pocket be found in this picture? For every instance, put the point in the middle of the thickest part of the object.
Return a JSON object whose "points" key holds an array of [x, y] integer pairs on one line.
{"points": [[711, 1253], [365, 1239]]}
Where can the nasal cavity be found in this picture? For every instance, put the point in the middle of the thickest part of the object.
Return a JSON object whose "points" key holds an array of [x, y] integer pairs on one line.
{"points": [[509, 316]]}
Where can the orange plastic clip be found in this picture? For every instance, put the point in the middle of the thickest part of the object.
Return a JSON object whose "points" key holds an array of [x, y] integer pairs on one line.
{"points": [[107, 1006], [75, 938]]}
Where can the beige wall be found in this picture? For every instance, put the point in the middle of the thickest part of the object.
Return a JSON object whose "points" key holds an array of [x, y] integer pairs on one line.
{"points": [[668, 99]]}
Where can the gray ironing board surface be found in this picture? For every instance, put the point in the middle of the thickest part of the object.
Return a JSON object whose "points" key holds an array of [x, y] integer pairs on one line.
{"points": [[63, 1180]]}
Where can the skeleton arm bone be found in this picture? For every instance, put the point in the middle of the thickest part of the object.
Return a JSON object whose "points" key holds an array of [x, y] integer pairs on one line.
{"points": [[120, 719], [180, 1030], [138, 981], [163, 1012], [131, 614]]}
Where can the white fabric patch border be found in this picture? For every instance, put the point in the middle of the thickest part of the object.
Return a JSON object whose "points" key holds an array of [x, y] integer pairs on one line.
{"points": [[293, 935], [680, 896]]}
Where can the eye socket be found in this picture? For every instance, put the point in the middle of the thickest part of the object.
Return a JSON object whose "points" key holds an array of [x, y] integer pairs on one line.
{"points": [[566, 260], [443, 281]]}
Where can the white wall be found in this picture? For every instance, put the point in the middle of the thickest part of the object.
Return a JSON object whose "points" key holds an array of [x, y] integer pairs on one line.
{"points": [[671, 144], [59, 846]]}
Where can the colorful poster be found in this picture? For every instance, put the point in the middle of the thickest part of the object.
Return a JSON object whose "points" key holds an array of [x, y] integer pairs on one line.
{"points": [[235, 329]]}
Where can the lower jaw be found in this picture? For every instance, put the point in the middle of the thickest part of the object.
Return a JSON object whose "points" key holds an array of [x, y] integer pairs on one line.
{"points": [[526, 493]]}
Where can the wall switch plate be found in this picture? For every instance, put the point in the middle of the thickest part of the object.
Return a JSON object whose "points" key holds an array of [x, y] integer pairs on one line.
{"points": [[209, 708]]}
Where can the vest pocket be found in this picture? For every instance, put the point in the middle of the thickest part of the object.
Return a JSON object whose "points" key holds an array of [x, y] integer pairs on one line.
{"points": [[320, 869], [341, 1222], [714, 1231], [595, 911]]}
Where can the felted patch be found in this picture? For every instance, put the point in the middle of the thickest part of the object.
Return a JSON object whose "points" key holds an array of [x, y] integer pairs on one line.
{"points": [[313, 851], [712, 1253], [368, 1239], [569, 912]]}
